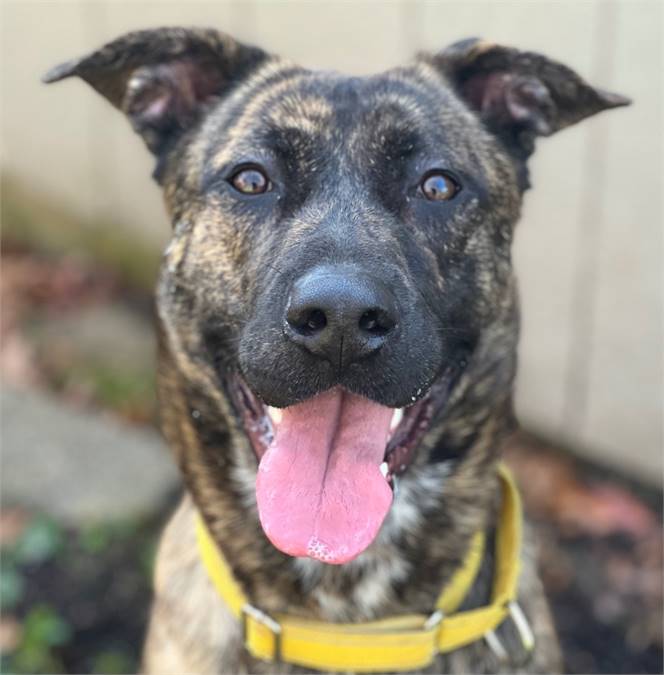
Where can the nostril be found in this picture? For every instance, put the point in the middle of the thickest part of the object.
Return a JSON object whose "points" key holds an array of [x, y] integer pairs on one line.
{"points": [[376, 322], [309, 322], [316, 320], [369, 321]]}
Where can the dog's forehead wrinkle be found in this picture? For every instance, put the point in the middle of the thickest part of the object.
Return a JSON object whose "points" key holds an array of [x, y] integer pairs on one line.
{"points": [[286, 96], [297, 110], [387, 121], [248, 118], [228, 111]]}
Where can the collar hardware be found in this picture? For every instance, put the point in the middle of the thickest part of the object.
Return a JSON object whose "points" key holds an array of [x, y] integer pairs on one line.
{"points": [[434, 620], [496, 646], [249, 611], [395, 644], [524, 631], [522, 626]]}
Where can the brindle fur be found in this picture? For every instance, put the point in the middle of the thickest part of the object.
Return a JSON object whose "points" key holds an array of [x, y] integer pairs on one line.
{"points": [[342, 148]]}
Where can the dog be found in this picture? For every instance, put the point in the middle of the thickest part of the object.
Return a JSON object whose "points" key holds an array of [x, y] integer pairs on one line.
{"points": [[338, 323]]}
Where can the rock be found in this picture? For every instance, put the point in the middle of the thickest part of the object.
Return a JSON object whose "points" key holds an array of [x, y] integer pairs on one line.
{"points": [[109, 333], [79, 466]]}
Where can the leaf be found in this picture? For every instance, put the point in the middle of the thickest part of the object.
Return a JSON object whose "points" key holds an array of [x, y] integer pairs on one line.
{"points": [[112, 661], [44, 626], [39, 542], [11, 587], [95, 538]]}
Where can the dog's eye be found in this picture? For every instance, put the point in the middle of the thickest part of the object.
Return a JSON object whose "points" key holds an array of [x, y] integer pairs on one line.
{"points": [[439, 186], [250, 181]]}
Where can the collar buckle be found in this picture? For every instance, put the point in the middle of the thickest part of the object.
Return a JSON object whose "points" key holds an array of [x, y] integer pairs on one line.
{"points": [[249, 611], [524, 631]]}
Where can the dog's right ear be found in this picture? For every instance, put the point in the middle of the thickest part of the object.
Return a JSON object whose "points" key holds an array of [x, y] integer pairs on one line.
{"points": [[162, 79]]}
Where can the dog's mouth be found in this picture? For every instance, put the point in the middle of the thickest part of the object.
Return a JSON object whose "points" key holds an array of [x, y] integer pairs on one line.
{"points": [[328, 465]]}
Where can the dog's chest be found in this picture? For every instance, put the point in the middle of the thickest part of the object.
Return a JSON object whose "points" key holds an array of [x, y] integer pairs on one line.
{"points": [[358, 594]]}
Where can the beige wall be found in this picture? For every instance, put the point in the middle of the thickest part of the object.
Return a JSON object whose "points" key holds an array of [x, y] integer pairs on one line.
{"points": [[589, 248]]}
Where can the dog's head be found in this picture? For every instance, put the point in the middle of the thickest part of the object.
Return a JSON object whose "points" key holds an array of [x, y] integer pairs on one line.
{"points": [[341, 249]]}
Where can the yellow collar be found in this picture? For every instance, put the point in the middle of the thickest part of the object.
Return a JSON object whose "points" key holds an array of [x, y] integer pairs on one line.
{"points": [[398, 643]]}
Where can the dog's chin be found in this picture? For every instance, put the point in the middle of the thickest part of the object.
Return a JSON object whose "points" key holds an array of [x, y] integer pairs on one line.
{"points": [[328, 465]]}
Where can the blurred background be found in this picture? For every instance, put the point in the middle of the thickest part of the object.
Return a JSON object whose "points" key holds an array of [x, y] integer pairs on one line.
{"points": [[86, 481]]}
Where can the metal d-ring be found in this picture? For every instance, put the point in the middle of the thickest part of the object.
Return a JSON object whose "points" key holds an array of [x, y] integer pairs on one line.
{"points": [[523, 628]]}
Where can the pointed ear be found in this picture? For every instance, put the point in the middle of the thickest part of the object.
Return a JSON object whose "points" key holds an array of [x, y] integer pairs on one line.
{"points": [[520, 95], [162, 79]]}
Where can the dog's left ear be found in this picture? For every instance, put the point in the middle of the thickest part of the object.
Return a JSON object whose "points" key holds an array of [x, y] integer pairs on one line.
{"points": [[520, 95], [163, 78]]}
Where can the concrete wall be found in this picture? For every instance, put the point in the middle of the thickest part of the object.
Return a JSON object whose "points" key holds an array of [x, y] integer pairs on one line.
{"points": [[589, 247]]}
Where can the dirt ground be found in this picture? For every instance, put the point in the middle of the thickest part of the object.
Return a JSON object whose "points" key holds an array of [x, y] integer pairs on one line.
{"points": [[600, 538], [75, 599]]}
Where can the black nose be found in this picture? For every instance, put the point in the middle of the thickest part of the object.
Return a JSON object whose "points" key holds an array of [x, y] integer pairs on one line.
{"points": [[340, 314]]}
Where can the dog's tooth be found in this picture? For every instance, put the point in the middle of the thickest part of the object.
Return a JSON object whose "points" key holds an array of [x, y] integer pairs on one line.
{"points": [[397, 416], [275, 414], [384, 469]]}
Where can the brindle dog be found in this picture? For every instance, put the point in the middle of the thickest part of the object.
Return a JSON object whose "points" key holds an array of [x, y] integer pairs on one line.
{"points": [[341, 248]]}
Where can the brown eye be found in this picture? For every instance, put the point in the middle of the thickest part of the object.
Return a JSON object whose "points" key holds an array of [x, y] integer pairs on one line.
{"points": [[251, 181], [439, 186]]}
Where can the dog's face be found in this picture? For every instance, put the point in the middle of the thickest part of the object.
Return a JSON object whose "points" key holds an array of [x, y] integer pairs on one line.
{"points": [[341, 232], [341, 248]]}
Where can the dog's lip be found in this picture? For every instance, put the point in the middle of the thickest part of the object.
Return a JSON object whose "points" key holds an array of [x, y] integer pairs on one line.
{"points": [[408, 426]]}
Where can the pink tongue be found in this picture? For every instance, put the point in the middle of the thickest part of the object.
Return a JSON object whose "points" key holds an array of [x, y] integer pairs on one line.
{"points": [[319, 489]]}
